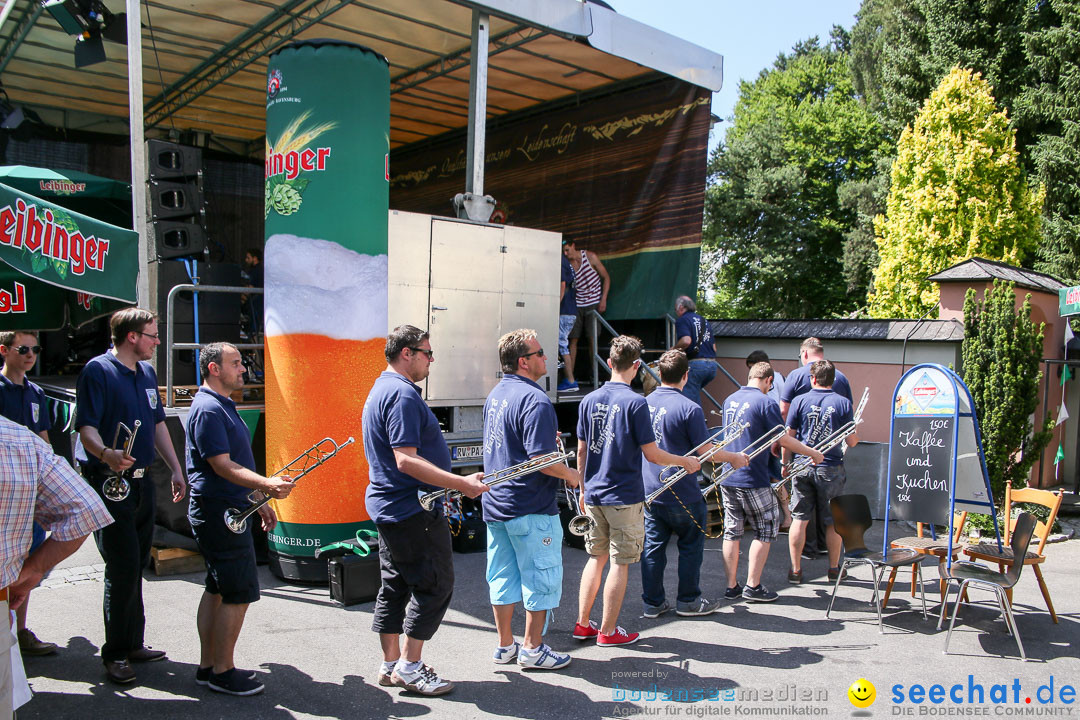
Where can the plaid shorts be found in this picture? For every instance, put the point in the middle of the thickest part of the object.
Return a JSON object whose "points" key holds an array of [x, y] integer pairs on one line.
{"points": [[758, 505]]}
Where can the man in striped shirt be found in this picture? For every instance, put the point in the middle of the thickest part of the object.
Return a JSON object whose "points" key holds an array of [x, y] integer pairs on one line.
{"points": [[37, 486], [591, 285]]}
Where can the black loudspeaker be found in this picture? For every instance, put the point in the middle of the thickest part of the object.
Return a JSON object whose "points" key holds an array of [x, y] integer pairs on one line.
{"points": [[177, 203]]}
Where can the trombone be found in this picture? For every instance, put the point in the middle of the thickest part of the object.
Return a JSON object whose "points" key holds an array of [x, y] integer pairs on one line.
{"points": [[427, 501], [301, 465], [751, 451], [117, 487], [797, 467], [718, 445]]}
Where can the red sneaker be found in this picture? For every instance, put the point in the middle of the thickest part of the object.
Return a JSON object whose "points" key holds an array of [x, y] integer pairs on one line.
{"points": [[581, 632], [619, 637]]}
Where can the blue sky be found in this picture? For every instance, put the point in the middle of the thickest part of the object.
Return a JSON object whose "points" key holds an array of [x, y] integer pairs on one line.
{"points": [[748, 34]]}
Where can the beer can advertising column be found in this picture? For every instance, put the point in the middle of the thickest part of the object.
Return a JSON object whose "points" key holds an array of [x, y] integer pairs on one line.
{"points": [[327, 199]]}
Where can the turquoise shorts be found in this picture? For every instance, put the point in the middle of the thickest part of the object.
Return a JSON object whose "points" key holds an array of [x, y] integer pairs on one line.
{"points": [[524, 561]]}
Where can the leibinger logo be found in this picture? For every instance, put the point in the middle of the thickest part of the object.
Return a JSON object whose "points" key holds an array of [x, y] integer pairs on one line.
{"points": [[38, 232], [1052, 698]]}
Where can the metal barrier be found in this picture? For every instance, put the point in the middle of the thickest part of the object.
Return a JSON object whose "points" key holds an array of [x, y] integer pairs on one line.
{"points": [[171, 347]]}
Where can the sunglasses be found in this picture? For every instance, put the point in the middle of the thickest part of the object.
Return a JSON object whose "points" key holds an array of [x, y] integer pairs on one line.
{"points": [[538, 353], [430, 353], [23, 349]]}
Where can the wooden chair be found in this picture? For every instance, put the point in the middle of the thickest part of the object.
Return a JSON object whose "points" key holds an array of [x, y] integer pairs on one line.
{"points": [[988, 551], [923, 545]]}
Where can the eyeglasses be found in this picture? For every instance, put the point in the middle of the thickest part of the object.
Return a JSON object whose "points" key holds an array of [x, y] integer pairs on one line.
{"points": [[538, 353], [151, 335], [23, 349], [430, 353]]}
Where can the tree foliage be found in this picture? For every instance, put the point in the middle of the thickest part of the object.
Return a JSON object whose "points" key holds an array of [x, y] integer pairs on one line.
{"points": [[1000, 358], [956, 192], [773, 216]]}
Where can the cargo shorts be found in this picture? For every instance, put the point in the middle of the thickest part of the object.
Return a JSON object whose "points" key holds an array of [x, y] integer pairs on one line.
{"points": [[618, 531]]}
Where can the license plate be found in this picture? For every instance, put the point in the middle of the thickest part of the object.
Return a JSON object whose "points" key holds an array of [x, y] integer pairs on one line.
{"points": [[468, 452]]}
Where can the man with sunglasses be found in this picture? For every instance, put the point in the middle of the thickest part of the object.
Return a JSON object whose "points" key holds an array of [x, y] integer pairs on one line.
{"points": [[524, 534], [119, 386], [22, 401], [406, 455]]}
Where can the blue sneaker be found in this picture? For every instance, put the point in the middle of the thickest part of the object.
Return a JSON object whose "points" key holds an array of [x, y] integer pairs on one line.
{"points": [[655, 611], [566, 386], [542, 658], [504, 655]]}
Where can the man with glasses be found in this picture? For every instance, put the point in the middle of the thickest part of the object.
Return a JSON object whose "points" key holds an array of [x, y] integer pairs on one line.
{"points": [[119, 386], [524, 534], [22, 401], [406, 455]]}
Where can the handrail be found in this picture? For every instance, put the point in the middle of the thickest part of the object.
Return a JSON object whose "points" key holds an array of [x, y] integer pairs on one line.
{"points": [[171, 347]]}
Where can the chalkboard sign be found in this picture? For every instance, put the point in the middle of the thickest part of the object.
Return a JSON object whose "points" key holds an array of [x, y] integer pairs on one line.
{"points": [[920, 468]]}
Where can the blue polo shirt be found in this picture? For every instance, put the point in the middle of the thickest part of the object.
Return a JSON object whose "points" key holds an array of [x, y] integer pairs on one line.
{"points": [[678, 425], [396, 416], [692, 325], [798, 382], [215, 428], [750, 405], [519, 423], [109, 393], [614, 423], [24, 404], [816, 415], [568, 304]]}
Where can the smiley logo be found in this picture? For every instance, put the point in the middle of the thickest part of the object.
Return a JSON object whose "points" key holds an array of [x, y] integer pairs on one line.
{"points": [[862, 693]]}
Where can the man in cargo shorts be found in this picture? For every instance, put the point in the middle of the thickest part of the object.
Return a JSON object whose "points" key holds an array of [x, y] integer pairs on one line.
{"points": [[406, 454], [614, 429], [524, 535], [221, 474]]}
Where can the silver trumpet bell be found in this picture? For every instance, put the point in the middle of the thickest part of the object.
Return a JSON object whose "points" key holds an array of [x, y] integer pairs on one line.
{"points": [[117, 487]]}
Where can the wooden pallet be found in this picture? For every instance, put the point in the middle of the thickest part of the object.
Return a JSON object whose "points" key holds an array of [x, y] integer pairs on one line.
{"points": [[176, 561]]}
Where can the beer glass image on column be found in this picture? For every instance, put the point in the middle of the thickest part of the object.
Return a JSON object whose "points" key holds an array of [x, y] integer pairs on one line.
{"points": [[327, 199]]}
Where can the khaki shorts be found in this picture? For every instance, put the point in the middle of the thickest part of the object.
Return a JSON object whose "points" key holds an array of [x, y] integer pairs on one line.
{"points": [[618, 531]]}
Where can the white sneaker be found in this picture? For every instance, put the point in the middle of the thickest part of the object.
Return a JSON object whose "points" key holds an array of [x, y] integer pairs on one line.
{"points": [[504, 655], [423, 681], [542, 658]]}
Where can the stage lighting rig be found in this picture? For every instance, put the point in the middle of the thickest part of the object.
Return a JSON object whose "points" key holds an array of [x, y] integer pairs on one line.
{"points": [[89, 21]]}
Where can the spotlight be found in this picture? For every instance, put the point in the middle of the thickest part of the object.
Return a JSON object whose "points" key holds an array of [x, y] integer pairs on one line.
{"points": [[89, 21]]}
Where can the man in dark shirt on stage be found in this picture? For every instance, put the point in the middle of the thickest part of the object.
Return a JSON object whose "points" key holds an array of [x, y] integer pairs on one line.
{"points": [[406, 454], [524, 551], [813, 417], [679, 427], [614, 430], [221, 471], [694, 337], [119, 386], [747, 493]]}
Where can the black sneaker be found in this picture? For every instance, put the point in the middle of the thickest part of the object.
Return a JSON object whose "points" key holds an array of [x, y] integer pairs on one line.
{"points": [[759, 594], [232, 682], [734, 593], [202, 675]]}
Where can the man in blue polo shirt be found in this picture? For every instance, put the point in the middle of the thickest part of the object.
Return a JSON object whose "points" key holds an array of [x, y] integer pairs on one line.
{"points": [[22, 401], [813, 417], [694, 337], [407, 455], [221, 472], [679, 427], [524, 551], [747, 492], [115, 387], [614, 430]]}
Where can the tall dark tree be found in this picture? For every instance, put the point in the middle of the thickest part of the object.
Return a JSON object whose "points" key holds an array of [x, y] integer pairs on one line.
{"points": [[773, 215]]}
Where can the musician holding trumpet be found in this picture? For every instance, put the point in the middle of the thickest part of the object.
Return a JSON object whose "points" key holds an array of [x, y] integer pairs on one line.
{"points": [[814, 417], [221, 472], [679, 427], [524, 535]]}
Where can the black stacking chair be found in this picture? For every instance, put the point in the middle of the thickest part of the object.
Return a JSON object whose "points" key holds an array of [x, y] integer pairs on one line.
{"points": [[851, 519], [974, 574]]}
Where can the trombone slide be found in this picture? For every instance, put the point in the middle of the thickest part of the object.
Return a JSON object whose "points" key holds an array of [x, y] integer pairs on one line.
{"points": [[681, 472]]}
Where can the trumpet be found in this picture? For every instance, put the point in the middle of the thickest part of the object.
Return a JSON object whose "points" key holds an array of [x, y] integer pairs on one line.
{"points": [[581, 523], [797, 467], [718, 445], [427, 501], [751, 451], [298, 467], [117, 487]]}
